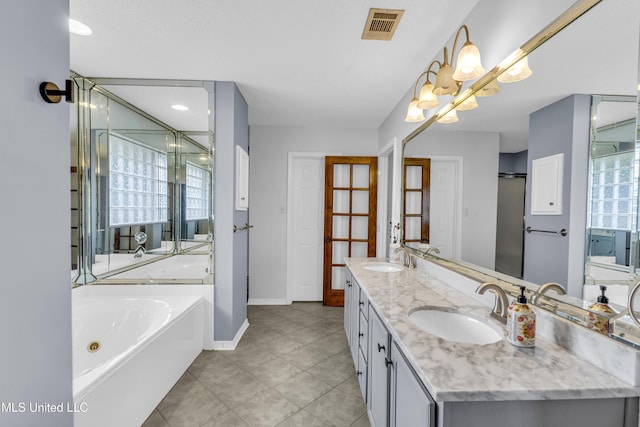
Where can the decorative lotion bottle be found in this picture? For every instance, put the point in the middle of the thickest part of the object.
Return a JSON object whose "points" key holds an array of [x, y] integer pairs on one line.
{"points": [[600, 321], [521, 322]]}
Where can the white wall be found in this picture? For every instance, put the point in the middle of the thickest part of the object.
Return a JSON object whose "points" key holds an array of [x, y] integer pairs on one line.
{"points": [[35, 295], [479, 152], [270, 146]]}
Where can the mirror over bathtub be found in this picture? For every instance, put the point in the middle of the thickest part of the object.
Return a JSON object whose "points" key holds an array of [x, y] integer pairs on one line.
{"points": [[142, 181]]}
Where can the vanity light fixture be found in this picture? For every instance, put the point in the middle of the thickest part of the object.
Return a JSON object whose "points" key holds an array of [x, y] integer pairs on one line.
{"points": [[450, 117], [414, 113], [180, 107], [448, 81], [490, 89], [78, 28], [518, 71], [468, 104]]}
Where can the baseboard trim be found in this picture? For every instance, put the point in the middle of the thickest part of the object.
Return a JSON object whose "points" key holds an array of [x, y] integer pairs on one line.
{"points": [[268, 301], [231, 345]]}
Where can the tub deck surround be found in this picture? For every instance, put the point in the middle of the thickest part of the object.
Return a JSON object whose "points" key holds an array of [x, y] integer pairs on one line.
{"points": [[453, 371], [144, 344]]}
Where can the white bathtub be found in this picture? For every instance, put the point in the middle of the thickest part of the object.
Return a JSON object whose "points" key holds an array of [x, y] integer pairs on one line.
{"points": [[144, 345]]}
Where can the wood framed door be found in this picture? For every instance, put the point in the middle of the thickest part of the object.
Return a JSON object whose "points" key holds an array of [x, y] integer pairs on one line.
{"points": [[351, 188], [417, 176]]}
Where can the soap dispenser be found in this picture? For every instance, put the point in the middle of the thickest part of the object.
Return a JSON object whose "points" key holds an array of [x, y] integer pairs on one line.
{"points": [[599, 313], [521, 322]]}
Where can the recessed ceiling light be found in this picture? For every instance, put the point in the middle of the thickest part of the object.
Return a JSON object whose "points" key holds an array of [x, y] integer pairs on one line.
{"points": [[77, 27], [180, 107]]}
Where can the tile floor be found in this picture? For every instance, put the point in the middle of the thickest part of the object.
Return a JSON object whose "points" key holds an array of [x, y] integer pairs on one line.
{"points": [[292, 368]]}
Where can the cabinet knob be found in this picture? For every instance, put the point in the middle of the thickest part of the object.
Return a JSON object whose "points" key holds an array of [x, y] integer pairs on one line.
{"points": [[380, 348], [358, 373], [361, 303], [361, 334], [387, 362]]}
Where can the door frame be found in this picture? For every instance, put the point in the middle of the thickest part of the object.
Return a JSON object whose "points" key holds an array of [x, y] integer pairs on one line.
{"points": [[292, 155], [458, 160], [390, 152]]}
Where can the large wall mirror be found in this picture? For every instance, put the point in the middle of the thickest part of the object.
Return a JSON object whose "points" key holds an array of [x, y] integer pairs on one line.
{"points": [[471, 213], [142, 168]]}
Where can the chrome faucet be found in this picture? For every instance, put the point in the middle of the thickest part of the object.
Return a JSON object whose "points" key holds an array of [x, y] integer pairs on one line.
{"points": [[408, 262], [431, 249], [550, 286], [502, 302], [140, 238]]}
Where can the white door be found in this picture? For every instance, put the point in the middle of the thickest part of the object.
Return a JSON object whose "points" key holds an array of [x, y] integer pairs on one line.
{"points": [[306, 208], [444, 209]]}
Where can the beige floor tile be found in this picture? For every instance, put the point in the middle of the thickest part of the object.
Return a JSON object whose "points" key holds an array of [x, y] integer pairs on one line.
{"points": [[276, 372], [186, 388], [290, 357], [306, 357], [303, 419], [194, 411], [230, 419], [155, 420], [334, 370], [303, 389], [239, 389], [267, 409], [337, 407], [363, 421]]}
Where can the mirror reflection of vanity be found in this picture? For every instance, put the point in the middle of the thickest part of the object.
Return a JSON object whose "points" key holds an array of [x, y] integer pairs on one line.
{"points": [[547, 114], [143, 180]]}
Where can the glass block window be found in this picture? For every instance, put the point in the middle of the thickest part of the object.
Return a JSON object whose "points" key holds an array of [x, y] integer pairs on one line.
{"points": [[137, 183], [198, 192], [613, 195]]}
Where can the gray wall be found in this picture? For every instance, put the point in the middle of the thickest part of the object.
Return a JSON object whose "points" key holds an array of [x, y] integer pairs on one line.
{"points": [[513, 162], [562, 127], [270, 146], [231, 249], [35, 295], [479, 154]]}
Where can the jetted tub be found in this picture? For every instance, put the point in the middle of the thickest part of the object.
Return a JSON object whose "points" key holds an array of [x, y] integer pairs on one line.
{"points": [[128, 352]]}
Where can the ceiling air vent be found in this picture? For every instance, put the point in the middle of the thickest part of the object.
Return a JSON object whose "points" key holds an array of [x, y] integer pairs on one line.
{"points": [[381, 24]]}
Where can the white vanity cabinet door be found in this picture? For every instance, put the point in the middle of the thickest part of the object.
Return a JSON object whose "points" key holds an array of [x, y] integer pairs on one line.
{"points": [[411, 404], [354, 308], [378, 379], [347, 306]]}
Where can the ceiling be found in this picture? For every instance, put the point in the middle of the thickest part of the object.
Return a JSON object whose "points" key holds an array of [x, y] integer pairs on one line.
{"points": [[304, 64], [297, 63]]}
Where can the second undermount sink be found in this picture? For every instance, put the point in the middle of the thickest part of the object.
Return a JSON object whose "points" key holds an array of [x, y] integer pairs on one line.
{"points": [[385, 267], [453, 326]]}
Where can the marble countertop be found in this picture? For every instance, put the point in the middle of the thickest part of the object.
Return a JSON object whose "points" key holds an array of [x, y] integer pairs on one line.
{"points": [[454, 371]]}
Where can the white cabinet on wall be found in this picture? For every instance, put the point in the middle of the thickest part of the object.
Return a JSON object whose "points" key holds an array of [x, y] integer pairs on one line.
{"points": [[242, 179], [546, 185]]}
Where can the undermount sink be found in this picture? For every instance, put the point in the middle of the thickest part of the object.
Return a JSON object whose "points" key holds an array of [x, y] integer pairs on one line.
{"points": [[385, 267], [454, 326]]}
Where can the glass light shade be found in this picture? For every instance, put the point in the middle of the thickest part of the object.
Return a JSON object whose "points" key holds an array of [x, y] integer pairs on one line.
{"points": [[427, 98], [79, 28], [414, 113], [490, 89], [469, 104], [445, 83], [450, 117], [518, 71], [469, 66]]}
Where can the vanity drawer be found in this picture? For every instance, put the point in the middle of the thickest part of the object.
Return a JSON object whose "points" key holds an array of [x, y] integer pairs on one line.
{"points": [[364, 305], [363, 336], [361, 371]]}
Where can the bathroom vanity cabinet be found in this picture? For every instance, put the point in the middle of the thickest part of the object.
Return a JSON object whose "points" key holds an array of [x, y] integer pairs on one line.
{"points": [[411, 378], [393, 393]]}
